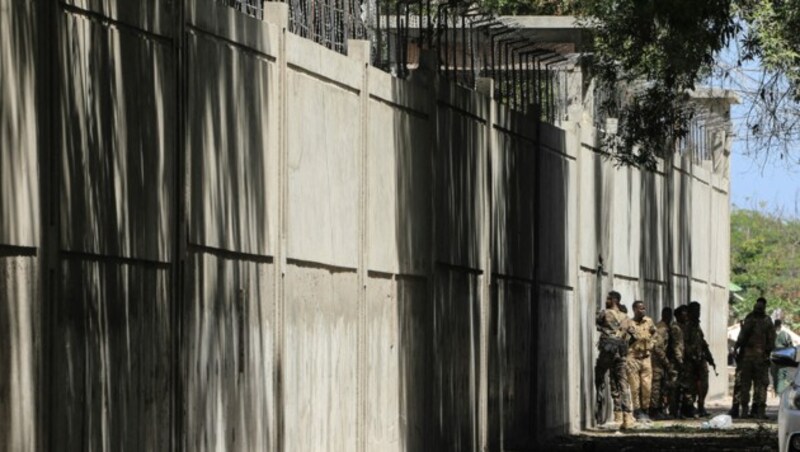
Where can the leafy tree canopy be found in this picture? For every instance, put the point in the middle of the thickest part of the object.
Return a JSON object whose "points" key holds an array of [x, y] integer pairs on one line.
{"points": [[765, 261], [661, 49]]}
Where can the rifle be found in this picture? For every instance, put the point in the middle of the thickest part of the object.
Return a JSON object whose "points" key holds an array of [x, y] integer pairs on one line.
{"points": [[600, 403], [709, 358]]}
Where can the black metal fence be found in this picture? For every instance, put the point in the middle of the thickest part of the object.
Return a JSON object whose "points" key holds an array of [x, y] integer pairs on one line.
{"points": [[469, 43]]}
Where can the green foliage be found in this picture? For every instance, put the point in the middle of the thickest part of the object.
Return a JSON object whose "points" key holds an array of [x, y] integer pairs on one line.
{"points": [[765, 261], [531, 7], [660, 49]]}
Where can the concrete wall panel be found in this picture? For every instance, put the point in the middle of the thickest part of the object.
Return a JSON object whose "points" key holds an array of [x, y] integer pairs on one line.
{"points": [[460, 171], [228, 355], [512, 206], [154, 16], [398, 364], [594, 202], [400, 145], [556, 252], [320, 366], [702, 222], [626, 228], [118, 108], [554, 376], [323, 171], [511, 368], [233, 147], [651, 223], [455, 360], [20, 334], [19, 182], [113, 360]]}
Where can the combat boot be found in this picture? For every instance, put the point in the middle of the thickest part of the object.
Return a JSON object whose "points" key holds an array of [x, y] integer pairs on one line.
{"points": [[628, 421], [745, 413], [734, 412], [618, 417]]}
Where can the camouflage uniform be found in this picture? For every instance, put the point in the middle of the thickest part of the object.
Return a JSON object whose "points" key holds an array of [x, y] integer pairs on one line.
{"points": [[613, 326], [667, 358], [781, 376], [694, 374], [640, 370], [755, 342]]}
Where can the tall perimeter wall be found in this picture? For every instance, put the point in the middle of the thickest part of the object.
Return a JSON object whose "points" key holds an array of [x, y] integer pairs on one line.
{"points": [[215, 234]]}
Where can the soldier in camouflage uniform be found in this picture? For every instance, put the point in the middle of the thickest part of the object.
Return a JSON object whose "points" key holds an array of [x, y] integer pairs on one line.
{"points": [[667, 359], [737, 383], [640, 370], [753, 346], [695, 359], [781, 375], [613, 347]]}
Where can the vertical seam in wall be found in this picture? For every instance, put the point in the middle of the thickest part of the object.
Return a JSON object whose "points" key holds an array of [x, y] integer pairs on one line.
{"points": [[181, 200], [279, 283], [362, 258], [486, 248]]}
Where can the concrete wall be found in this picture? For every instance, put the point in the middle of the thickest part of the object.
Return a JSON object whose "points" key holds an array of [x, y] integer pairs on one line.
{"points": [[224, 236]]}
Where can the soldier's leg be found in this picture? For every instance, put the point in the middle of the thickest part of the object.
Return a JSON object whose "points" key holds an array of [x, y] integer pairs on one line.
{"points": [[645, 382], [658, 389], [634, 383], [702, 388], [604, 365], [737, 384], [621, 375], [760, 384], [746, 382], [690, 388], [784, 379]]}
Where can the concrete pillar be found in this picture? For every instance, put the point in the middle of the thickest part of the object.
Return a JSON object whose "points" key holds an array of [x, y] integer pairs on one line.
{"points": [[278, 14], [485, 86], [360, 51]]}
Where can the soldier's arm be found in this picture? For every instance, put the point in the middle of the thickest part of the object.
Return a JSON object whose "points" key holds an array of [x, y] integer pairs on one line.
{"points": [[770, 335], [678, 344]]}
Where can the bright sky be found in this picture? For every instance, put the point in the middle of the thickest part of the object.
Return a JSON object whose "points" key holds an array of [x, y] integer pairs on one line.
{"points": [[771, 187]]}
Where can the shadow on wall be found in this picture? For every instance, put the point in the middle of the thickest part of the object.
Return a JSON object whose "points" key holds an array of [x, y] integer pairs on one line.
{"points": [[651, 247], [438, 314], [112, 371], [554, 296], [20, 332], [19, 192], [228, 316], [512, 316]]}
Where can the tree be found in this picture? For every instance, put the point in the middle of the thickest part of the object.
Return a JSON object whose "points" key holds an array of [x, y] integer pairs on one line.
{"points": [[765, 261], [659, 50]]}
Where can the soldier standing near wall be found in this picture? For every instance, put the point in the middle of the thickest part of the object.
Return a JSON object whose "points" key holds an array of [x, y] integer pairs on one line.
{"points": [[737, 382], [667, 359], [753, 346], [696, 359], [613, 347], [640, 370], [781, 375]]}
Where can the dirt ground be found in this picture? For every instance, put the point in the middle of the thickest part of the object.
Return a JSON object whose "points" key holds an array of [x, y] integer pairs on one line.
{"points": [[683, 435]]}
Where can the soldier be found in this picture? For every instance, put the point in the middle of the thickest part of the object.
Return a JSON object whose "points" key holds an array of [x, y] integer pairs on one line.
{"points": [[737, 383], [681, 390], [613, 347], [781, 375], [640, 371], [753, 346], [666, 359], [696, 358]]}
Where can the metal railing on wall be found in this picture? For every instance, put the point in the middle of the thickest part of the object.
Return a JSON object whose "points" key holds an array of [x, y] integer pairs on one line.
{"points": [[470, 43]]}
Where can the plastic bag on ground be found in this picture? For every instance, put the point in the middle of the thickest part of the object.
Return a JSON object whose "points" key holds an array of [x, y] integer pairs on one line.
{"points": [[721, 421]]}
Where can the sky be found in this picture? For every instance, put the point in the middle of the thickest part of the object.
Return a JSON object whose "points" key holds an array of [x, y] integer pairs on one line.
{"points": [[766, 184], [771, 187]]}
